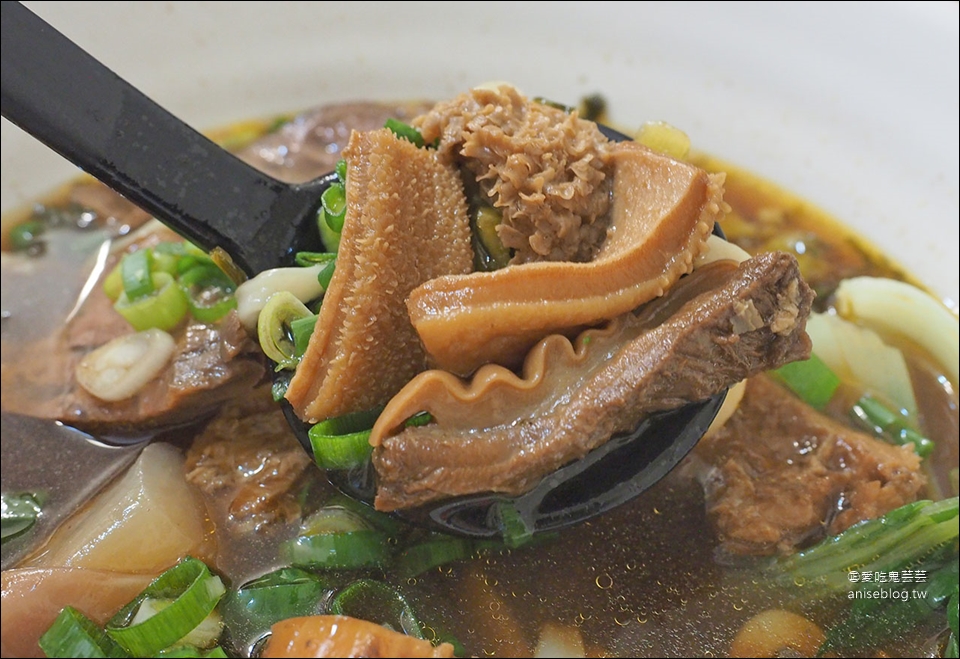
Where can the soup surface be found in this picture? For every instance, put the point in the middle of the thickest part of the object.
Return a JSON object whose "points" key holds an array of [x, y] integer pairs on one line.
{"points": [[654, 577]]}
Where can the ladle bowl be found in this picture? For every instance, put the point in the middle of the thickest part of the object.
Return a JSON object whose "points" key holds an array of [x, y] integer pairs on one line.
{"points": [[68, 100]]}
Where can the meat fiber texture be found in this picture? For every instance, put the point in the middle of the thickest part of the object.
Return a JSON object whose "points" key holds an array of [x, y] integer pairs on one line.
{"points": [[782, 474], [751, 320]]}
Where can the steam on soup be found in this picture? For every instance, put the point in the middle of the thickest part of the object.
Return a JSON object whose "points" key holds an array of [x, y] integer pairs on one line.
{"points": [[723, 556]]}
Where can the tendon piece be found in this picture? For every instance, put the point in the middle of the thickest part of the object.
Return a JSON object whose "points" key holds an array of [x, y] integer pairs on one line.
{"points": [[663, 211], [751, 321], [406, 222]]}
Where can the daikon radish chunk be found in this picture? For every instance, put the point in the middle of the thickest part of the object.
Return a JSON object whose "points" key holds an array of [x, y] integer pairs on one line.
{"points": [[143, 523]]}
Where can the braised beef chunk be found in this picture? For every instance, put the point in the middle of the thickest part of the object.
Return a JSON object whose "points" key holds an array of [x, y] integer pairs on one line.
{"points": [[310, 144], [212, 363], [751, 321], [780, 474]]}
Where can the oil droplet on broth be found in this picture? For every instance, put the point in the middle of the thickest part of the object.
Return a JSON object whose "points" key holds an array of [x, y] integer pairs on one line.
{"points": [[604, 581]]}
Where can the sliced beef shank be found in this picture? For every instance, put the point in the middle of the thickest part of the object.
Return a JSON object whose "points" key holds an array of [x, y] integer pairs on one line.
{"points": [[685, 347], [779, 473]]}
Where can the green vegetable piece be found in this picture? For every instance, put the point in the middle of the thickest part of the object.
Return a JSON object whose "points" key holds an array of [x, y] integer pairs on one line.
{"points": [[18, 512], [343, 442], [811, 380], [341, 170], [273, 328], [26, 234], [73, 634], [285, 593], [307, 259], [209, 292], [194, 592], [377, 602], [437, 550], [329, 237], [302, 330], [405, 132], [135, 270], [490, 253], [893, 427], [163, 309], [338, 551], [512, 525], [325, 275], [334, 204]]}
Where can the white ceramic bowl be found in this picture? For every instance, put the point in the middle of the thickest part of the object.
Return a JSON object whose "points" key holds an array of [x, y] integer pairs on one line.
{"points": [[852, 105]]}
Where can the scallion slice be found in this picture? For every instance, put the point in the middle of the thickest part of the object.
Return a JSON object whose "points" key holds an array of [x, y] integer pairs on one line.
{"points": [[273, 328], [377, 602], [195, 593], [341, 170], [209, 292], [302, 330], [306, 259], [334, 201], [811, 380], [405, 132], [163, 309], [343, 442], [135, 271], [326, 274], [73, 634], [437, 550], [339, 551]]}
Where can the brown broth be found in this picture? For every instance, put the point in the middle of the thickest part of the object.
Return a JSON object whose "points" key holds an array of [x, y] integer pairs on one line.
{"points": [[643, 580]]}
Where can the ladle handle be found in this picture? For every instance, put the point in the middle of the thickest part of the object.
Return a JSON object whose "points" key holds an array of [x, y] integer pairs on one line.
{"points": [[68, 100]]}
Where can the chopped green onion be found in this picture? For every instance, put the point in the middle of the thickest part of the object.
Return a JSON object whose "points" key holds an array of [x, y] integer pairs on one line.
{"points": [[377, 602], [374, 518], [306, 259], [163, 309], [73, 634], [405, 131], [302, 330], [419, 419], [334, 202], [209, 292], [556, 105], [341, 170], [18, 512], [343, 442], [166, 257], [811, 380], [513, 528], [113, 284], [333, 519], [195, 593], [338, 551], [281, 382], [135, 270], [490, 252], [273, 328], [329, 237], [25, 235], [285, 593], [885, 422], [438, 550], [325, 275]]}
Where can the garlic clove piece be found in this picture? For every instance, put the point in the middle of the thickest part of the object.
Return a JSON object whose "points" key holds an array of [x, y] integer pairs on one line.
{"points": [[118, 369]]}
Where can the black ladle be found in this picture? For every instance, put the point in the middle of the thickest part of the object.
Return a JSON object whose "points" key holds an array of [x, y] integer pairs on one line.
{"points": [[72, 103]]}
